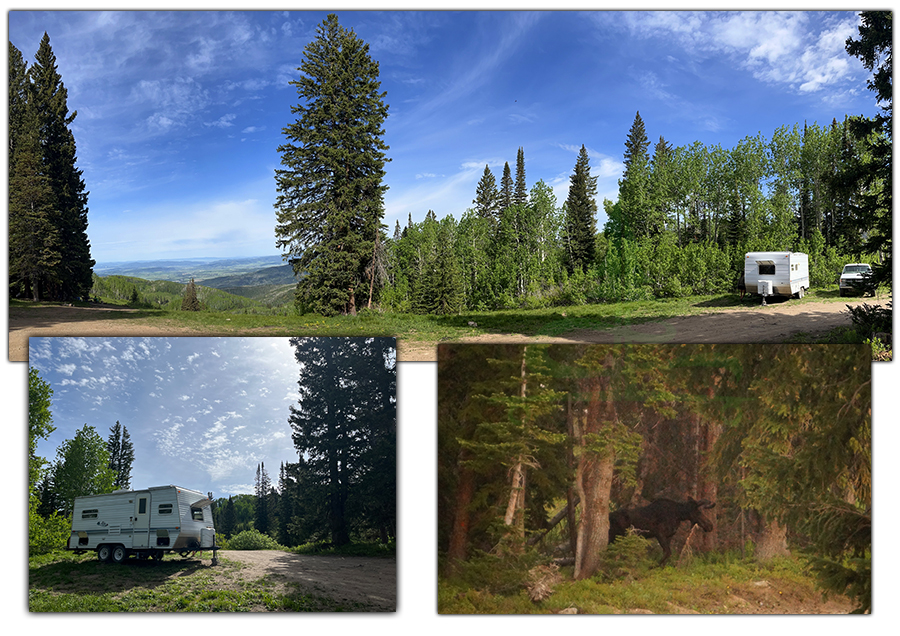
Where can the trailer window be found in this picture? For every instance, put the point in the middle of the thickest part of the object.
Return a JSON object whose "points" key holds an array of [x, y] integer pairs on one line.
{"points": [[165, 509], [89, 514], [197, 514], [767, 269], [142, 506]]}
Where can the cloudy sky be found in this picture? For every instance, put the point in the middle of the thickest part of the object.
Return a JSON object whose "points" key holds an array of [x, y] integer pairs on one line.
{"points": [[201, 412], [180, 114]]}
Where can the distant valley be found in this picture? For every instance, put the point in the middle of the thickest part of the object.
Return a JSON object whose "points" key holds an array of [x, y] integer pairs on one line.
{"points": [[201, 270], [265, 280]]}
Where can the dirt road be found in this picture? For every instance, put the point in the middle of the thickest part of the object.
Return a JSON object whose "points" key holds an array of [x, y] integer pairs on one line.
{"points": [[369, 582], [772, 323]]}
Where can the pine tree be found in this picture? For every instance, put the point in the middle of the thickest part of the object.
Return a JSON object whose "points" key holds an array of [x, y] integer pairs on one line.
{"points": [[75, 268], [344, 428], [520, 195], [35, 249], [581, 208], [263, 486], [487, 199], [121, 455], [634, 184], [189, 301], [506, 188], [330, 201]]}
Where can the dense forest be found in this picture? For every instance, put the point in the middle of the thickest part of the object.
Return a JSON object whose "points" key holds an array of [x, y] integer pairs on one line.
{"points": [[684, 219], [778, 437], [341, 490]]}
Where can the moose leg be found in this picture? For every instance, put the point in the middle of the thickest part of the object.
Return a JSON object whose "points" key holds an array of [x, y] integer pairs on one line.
{"points": [[667, 551]]}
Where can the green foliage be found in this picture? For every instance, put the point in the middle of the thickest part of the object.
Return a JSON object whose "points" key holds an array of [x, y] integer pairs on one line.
{"points": [[251, 540], [40, 423], [627, 556], [189, 300], [344, 431], [45, 534], [581, 209], [81, 468], [50, 251], [330, 200], [500, 575]]}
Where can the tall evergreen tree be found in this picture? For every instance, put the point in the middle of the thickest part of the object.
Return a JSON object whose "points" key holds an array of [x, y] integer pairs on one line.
{"points": [[75, 268], [263, 487], [487, 199], [520, 194], [344, 428], [634, 184], [506, 188], [330, 202], [581, 208], [121, 455]]}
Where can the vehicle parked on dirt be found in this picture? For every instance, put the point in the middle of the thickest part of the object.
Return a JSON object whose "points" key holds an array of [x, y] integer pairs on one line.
{"points": [[856, 279], [776, 274], [144, 523]]}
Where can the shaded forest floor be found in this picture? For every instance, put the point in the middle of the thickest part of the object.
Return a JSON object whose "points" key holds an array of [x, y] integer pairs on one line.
{"points": [[780, 587], [722, 319]]}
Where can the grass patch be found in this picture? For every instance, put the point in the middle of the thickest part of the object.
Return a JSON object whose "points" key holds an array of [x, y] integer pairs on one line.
{"points": [[64, 582], [713, 584]]}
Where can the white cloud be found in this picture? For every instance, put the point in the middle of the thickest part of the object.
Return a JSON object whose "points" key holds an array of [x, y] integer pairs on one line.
{"points": [[225, 121], [67, 369]]}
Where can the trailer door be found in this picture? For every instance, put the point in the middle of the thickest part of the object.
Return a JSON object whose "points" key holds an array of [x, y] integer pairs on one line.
{"points": [[140, 523]]}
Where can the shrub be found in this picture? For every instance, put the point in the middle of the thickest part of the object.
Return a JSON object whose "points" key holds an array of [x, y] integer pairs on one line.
{"points": [[252, 540], [45, 534]]}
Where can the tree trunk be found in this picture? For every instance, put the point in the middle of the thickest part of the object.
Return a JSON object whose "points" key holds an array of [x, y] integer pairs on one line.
{"points": [[515, 508], [593, 478], [772, 542], [459, 533]]}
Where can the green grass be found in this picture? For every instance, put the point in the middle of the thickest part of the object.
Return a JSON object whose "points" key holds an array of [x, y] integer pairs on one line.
{"points": [[716, 584], [64, 582], [373, 549]]}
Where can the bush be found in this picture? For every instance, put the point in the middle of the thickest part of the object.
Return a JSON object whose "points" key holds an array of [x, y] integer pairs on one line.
{"points": [[252, 540], [45, 534]]}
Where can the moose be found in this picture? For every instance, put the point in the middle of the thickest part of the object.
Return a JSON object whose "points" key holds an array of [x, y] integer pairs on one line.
{"points": [[660, 519]]}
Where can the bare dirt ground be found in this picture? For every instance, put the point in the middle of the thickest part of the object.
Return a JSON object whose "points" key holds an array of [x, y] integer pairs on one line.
{"points": [[371, 582], [773, 323]]}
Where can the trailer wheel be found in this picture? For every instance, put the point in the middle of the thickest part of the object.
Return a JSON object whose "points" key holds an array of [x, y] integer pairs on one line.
{"points": [[119, 554], [103, 553]]}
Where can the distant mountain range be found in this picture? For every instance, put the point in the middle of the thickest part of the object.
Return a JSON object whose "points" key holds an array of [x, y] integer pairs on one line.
{"points": [[228, 271], [265, 279]]}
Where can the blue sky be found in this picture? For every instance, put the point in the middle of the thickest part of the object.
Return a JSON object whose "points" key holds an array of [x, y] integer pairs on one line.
{"points": [[201, 412], [180, 114]]}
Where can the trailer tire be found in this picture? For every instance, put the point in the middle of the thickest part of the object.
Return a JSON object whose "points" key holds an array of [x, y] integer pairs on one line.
{"points": [[119, 554], [104, 552]]}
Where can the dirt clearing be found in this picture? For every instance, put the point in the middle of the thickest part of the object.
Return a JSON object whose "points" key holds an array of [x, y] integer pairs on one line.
{"points": [[370, 583], [773, 323]]}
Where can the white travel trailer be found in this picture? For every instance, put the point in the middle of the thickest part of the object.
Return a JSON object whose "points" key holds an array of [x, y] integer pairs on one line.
{"points": [[776, 273], [146, 523]]}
